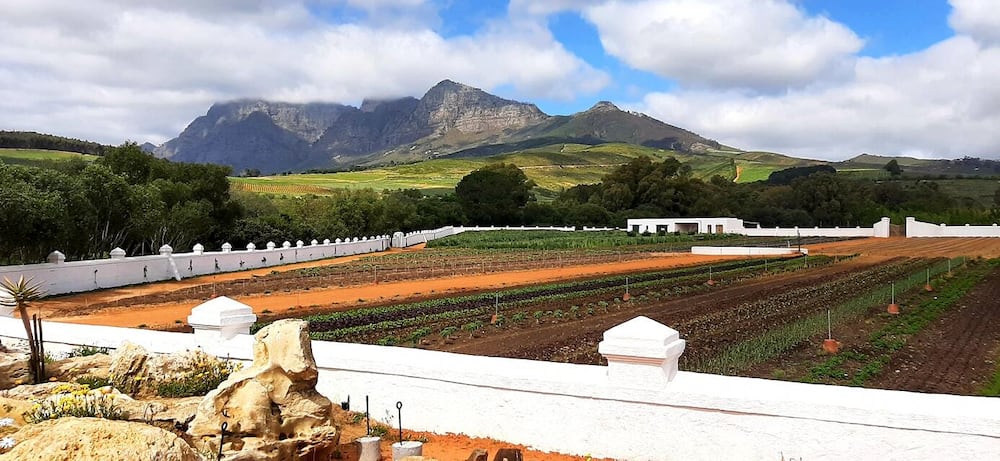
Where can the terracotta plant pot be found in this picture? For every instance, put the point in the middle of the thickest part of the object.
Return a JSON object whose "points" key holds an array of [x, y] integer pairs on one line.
{"points": [[626, 297], [893, 308], [831, 346], [928, 287], [710, 282]]}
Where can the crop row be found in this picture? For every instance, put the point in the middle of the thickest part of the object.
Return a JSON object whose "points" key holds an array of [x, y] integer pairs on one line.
{"points": [[344, 324], [742, 355]]}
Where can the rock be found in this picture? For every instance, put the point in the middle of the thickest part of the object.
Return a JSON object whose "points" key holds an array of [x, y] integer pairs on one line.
{"points": [[508, 454], [71, 368], [479, 455], [14, 409], [128, 367], [272, 407], [96, 439], [136, 372], [14, 370]]}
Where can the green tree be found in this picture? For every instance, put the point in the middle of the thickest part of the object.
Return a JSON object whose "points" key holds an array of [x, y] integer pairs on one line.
{"points": [[893, 168], [494, 194]]}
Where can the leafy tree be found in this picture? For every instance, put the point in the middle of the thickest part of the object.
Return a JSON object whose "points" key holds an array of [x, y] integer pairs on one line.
{"points": [[494, 194], [893, 168]]}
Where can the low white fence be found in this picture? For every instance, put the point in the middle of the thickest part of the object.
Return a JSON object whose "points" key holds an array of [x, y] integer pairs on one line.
{"points": [[916, 228], [60, 277], [747, 251], [629, 410], [401, 240]]}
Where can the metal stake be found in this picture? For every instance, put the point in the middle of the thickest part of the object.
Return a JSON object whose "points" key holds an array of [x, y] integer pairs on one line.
{"points": [[368, 422], [829, 326], [399, 408]]}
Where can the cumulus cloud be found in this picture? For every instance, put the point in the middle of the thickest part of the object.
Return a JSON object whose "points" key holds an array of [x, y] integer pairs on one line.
{"points": [[940, 102], [110, 70], [980, 19], [755, 44]]}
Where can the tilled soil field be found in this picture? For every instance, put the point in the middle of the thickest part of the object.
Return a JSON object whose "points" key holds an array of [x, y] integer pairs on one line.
{"points": [[958, 353]]}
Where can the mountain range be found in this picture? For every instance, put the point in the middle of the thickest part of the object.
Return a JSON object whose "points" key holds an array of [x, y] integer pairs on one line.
{"points": [[450, 119]]}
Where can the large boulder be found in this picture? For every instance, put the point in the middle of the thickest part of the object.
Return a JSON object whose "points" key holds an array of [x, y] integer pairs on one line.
{"points": [[272, 407], [71, 368], [96, 439], [14, 369], [136, 372]]}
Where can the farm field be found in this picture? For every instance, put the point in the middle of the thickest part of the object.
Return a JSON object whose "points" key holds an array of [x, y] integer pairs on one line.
{"points": [[552, 168], [35, 156], [763, 318]]}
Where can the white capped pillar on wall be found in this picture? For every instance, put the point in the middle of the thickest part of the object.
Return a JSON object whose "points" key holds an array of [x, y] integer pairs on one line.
{"points": [[641, 353], [219, 320]]}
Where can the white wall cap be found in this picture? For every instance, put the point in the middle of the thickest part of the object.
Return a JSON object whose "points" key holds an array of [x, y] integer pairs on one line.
{"points": [[641, 337], [221, 311], [286, 244], [270, 245], [251, 246], [227, 247], [56, 257], [166, 250], [198, 248], [119, 253]]}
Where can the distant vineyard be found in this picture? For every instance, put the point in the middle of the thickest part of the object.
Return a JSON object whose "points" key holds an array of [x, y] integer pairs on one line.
{"points": [[278, 189]]}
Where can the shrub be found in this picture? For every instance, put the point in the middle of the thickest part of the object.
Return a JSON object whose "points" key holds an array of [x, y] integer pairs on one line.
{"points": [[387, 341], [84, 351], [206, 375], [74, 400], [93, 382], [448, 331]]}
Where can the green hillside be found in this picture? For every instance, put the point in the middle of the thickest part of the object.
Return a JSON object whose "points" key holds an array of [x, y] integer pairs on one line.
{"points": [[553, 168], [40, 157]]}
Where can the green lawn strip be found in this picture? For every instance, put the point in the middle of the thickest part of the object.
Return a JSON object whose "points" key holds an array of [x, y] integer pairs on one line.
{"points": [[891, 338], [992, 389], [743, 355], [488, 305]]}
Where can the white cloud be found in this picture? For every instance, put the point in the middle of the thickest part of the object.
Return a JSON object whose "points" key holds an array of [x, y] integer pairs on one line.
{"points": [[755, 44], [979, 19], [110, 70], [940, 102]]}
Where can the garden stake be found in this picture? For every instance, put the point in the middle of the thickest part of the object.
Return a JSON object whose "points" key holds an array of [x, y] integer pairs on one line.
{"points": [[626, 296], [830, 345], [893, 307], [927, 286], [399, 408], [710, 282], [222, 436], [368, 421]]}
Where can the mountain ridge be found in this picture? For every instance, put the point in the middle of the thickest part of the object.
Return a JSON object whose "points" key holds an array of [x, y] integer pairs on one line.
{"points": [[450, 117]]}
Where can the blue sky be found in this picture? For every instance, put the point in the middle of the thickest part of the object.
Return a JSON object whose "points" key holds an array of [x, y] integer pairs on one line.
{"points": [[822, 79]]}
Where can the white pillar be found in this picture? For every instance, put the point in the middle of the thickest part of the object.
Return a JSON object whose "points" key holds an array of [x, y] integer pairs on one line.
{"points": [[219, 320], [641, 353]]}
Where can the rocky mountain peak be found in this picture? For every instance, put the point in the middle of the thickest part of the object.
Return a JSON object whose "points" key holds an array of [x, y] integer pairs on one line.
{"points": [[604, 106]]}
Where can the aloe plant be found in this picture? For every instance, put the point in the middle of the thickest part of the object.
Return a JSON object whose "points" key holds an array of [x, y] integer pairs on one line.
{"points": [[21, 293]]}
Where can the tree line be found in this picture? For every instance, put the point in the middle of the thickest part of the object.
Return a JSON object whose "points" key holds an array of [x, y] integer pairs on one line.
{"points": [[131, 200], [32, 140]]}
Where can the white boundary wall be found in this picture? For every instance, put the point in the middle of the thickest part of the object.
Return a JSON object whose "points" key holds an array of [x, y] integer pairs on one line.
{"points": [[736, 226], [746, 251], [916, 228], [78, 276], [401, 240], [582, 409]]}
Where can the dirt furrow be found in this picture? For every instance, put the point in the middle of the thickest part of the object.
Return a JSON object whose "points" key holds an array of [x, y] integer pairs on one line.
{"points": [[955, 354]]}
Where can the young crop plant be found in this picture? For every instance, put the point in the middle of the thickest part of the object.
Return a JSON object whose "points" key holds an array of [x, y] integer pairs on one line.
{"points": [[472, 328], [447, 332]]}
